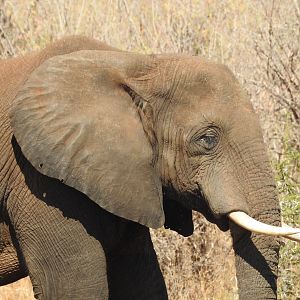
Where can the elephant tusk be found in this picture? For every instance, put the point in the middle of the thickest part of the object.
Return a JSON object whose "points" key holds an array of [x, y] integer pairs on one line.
{"points": [[294, 237], [245, 221]]}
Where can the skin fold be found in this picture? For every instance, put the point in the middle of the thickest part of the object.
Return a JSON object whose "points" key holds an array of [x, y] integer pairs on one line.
{"points": [[97, 145]]}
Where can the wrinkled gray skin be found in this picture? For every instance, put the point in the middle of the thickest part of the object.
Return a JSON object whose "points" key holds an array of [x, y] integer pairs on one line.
{"points": [[96, 146]]}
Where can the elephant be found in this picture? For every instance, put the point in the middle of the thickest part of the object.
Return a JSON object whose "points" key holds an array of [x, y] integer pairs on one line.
{"points": [[98, 145]]}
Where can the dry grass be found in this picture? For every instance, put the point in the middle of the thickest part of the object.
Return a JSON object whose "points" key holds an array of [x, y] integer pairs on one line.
{"points": [[20, 290], [258, 40], [198, 267]]}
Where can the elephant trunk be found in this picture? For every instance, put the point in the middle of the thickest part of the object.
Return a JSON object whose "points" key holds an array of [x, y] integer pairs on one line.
{"points": [[256, 261], [245, 191], [257, 254]]}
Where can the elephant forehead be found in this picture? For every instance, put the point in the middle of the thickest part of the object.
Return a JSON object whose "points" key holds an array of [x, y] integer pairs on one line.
{"points": [[210, 109], [207, 81]]}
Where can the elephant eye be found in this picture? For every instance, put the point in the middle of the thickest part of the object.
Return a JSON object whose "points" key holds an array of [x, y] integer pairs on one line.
{"points": [[208, 141], [204, 142]]}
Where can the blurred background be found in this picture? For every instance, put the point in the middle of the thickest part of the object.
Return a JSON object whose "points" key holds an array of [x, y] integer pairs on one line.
{"points": [[259, 40]]}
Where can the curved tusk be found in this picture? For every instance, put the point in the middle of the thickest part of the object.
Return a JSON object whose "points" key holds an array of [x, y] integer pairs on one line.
{"points": [[294, 237], [245, 221]]}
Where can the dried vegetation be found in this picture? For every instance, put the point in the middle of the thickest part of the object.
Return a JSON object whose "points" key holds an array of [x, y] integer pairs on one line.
{"points": [[258, 40]]}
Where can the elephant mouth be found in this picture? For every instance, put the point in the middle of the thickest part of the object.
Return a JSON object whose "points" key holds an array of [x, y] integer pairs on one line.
{"points": [[245, 221], [221, 221], [199, 203]]}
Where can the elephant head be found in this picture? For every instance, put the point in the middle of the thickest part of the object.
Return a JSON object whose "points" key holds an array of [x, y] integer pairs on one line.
{"points": [[149, 138]]}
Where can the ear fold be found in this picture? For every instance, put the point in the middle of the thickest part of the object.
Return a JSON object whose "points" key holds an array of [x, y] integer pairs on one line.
{"points": [[75, 121]]}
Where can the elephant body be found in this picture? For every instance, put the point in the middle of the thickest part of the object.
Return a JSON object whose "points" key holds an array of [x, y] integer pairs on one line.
{"points": [[86, 243], [97, 145]]}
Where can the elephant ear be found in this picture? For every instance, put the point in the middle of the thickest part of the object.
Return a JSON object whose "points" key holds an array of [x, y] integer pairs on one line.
{"points": [[75, 120]]}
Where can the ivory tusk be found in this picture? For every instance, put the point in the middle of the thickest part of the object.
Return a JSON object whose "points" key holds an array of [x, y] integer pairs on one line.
{"points": [[245, 221], [294, 237]]}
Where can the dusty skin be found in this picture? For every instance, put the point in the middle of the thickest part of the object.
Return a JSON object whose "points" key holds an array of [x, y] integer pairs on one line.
{"points": [[97, 145]]}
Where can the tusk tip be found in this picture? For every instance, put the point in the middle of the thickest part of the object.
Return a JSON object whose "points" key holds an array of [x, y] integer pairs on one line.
{"points": [[294, 237], [247, 222]]}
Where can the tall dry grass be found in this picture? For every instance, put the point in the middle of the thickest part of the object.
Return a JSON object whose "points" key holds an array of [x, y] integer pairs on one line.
{"points": [[258, 40]]}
